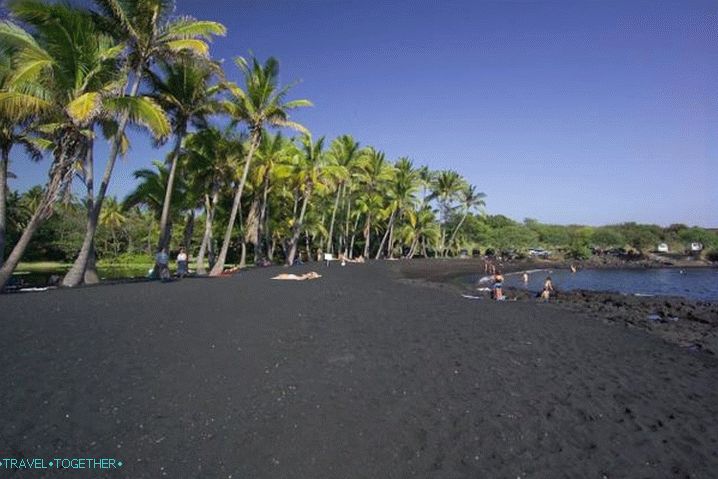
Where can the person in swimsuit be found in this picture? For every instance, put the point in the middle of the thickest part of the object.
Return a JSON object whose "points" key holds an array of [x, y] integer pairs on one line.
{"points": [[298, 277], [498, 286]]}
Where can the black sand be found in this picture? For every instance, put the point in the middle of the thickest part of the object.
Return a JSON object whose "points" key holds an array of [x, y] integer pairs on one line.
{"points": [[352, 375]]}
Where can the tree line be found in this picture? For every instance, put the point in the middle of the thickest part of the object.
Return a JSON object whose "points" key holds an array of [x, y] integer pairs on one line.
{"points": [[233, 185]]}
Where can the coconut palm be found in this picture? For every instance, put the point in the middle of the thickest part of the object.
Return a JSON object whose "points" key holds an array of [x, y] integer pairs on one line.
{"points": [[309, 175], [420, 227], [150, 33], [261, 103], [113, 218], [212, 155], [373, 170], [66, 82], [185, 91], [445, 188], [402, 193], [469, 199], [342, 157]]}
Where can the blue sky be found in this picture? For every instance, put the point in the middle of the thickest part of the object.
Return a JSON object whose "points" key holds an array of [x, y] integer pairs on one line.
{"points": [[571, 111]]}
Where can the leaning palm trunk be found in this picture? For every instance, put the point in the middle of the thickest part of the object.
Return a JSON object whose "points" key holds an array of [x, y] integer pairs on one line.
{"points": [[330, 238], [367, 234], [456, 230], [4, 160], [386, 234], [163, 243], [209, 207], [350, 254], [77, 273], [296, 230], [219, 265], [61, 172]]}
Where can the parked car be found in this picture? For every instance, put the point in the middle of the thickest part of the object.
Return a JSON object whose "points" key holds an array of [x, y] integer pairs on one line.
{"points": [[538, 253], [662, 248]]}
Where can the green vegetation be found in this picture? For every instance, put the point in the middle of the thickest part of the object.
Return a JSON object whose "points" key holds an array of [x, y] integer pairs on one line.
{"points": [[237, 192]]}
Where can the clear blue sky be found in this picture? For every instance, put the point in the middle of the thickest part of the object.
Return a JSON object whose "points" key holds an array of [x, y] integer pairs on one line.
{"points": [[571, 111]]}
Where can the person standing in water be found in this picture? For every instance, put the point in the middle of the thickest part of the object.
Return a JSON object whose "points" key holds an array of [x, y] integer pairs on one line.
{"points": [[498, 286], [526, 277], [547, 289]]}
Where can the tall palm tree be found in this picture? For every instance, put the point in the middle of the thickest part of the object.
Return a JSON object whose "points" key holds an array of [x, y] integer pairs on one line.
{"points": [[309, 174], [343, 154], [261, 103], [469, 199], [373, 171], [447, 185], [113, 218], [402, 191], [420, 227], [150, 33], [67, 82], [211, 156], [185, 91]]}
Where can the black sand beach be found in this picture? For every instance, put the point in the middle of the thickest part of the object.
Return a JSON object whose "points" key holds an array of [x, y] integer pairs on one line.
{"points": [[356, 375]]}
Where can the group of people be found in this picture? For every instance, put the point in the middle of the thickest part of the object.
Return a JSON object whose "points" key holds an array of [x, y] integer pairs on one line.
{"points": [[497, 288], [162, 268]]}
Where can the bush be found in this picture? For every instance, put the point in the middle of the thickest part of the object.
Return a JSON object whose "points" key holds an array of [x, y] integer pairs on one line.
{"points": [[712, 255]]}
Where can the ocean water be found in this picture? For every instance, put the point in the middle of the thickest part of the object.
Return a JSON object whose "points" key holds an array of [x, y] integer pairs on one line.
{"points": [[698, 283]]}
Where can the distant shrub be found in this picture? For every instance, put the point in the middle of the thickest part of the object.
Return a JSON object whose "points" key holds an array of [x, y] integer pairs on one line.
{"points": [[580, 251], [712, 255]]}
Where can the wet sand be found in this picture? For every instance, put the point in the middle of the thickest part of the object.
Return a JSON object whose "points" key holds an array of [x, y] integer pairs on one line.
{"points": [[359, 374]]}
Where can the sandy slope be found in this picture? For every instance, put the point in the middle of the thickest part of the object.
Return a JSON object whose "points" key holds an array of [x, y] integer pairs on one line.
{"points": [[352, 375]]}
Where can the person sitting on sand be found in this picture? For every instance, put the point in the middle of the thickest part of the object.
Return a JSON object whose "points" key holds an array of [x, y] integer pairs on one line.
{"points": [[162, 269], [498, 286], [297, 277]]}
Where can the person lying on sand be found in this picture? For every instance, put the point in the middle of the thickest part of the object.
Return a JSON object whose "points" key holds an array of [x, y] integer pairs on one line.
{"points": [[298, 277], [345, 259]]}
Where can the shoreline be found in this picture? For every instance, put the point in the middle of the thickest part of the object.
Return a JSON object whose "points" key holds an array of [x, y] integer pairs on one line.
{"points": [[696, 326]]}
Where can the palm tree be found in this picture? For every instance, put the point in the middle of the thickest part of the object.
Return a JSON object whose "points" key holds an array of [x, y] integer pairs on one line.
{"points": [[151, 34], [113, 219], [447, 185], [373, 171], [420, 227], [261, 103], [184, 90], [309, 175], [402, 191], [66, 82], [211, 156], [343, 154], [469, 199]]}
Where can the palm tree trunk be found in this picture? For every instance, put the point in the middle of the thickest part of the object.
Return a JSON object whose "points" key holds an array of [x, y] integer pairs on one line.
{"points": [[163, 243], [243, 254], [270, 249], [61, 173], [297, 229], [307, 244], [77, 273], [350, 253], [456, 230], [209, 207], [346, 223], [367, 234], [386, 234], [4, 161], [330, 238], [219, 265], [258, 253], [188, 231]]}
